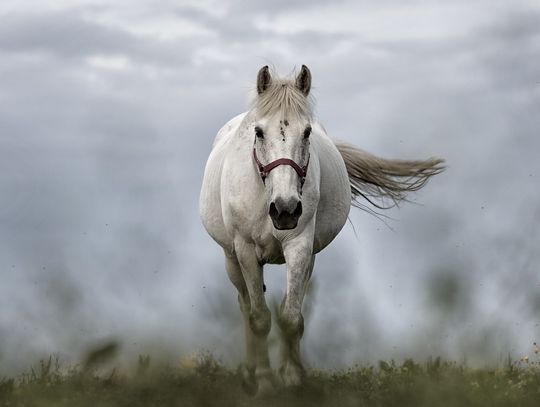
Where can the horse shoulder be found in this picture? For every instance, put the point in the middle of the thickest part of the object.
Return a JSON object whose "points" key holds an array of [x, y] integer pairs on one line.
{"points": [[210, 209], [243, 199], [229, 128]]}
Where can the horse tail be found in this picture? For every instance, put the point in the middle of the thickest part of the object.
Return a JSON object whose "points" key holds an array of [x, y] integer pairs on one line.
{"points": [[388, 181]]}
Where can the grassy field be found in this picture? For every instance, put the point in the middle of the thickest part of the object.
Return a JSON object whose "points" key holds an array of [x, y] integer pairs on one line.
{"points": [[202, 381]]}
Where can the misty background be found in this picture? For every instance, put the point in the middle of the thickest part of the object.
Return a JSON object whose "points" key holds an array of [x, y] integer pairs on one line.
{"points": [[107, 116]]}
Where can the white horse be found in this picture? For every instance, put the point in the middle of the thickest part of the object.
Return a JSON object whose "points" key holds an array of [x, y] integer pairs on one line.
{"points": [[277, 190]]}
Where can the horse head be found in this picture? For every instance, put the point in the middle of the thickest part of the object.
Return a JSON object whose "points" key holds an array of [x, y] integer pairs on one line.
{"points": [[281, 131]]}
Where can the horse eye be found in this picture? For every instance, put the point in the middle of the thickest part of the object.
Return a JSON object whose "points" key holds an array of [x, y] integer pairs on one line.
{"points": [[258, 132], [307, 132]]}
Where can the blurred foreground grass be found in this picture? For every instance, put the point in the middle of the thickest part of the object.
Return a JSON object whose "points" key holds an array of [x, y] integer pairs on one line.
{"points": [[203, 381]]}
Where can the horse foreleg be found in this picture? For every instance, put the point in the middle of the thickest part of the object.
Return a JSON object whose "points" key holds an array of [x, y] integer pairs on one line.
{"points": [[248, 369], [300, 261], [256, 314]]}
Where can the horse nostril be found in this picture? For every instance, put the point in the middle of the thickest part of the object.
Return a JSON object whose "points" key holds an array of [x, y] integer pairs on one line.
{"points": [[298, 211], [273, 210]]}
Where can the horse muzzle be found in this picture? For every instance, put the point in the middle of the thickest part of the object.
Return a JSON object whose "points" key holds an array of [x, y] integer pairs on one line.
{"points": [[285, 214]]}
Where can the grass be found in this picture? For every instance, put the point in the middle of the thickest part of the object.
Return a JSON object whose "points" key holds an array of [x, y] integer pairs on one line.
{"points": [[203, 381]]}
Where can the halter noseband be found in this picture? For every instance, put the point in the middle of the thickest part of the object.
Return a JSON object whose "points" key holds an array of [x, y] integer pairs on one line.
{"points": [[264, 170]]}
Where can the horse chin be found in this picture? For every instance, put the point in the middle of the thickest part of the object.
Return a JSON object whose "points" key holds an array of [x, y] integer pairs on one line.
{"points": [[285, 225]]}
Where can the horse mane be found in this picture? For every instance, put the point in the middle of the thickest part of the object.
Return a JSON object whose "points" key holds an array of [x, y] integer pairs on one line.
{"points": [[375, 178], [284, 98]]}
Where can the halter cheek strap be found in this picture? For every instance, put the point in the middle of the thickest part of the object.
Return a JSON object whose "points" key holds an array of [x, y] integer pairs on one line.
{"points": [[264, 170]]}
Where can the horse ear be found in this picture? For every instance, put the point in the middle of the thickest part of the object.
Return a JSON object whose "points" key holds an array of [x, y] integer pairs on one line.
{"points": [[303, 80], [263, 79]]}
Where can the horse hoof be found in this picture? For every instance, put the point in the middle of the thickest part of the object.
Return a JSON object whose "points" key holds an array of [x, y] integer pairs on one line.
{"points": [[265, 388], [249, 384], [292, 375]]}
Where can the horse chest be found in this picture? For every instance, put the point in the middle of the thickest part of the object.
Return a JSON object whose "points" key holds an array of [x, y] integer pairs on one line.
{"points": [[268, 249]]}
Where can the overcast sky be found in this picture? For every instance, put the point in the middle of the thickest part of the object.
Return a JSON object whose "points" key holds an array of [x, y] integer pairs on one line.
{"points": [[107, 116]]}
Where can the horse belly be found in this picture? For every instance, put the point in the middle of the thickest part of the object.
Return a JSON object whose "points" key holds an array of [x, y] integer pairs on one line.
{"points": [[330, 221], [335, 196]]}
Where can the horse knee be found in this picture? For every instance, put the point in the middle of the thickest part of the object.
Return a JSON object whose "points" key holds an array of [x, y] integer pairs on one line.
{"points": [[260, 321], [291, 323]]}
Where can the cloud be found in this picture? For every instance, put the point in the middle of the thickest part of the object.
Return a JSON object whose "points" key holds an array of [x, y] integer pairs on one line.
{"points": [[105, 127], [64, 34], [68, 35]]}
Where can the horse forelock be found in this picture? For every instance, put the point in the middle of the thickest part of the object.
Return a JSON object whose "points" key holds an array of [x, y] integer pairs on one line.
{"points": [[282, 97]]}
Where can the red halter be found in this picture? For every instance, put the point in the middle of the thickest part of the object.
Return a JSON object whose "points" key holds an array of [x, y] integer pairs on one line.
{"points": [[264, 170]]}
